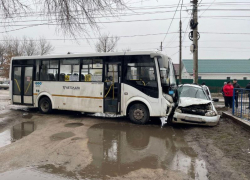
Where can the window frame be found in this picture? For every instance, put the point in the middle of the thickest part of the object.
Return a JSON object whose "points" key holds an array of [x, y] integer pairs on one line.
{"points": [[81, 59], [40, 67], [128, 59], [61, 59], [92, 59]]}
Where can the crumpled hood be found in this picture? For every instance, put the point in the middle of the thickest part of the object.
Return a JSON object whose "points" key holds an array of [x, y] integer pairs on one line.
{"points": [[188, 101]]}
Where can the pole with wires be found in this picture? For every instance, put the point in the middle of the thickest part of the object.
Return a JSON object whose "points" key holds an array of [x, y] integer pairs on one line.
{"points": [[195, 40], [180, 51]]}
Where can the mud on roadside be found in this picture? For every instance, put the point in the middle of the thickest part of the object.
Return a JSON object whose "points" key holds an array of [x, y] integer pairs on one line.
{"points": [[225, 148]]}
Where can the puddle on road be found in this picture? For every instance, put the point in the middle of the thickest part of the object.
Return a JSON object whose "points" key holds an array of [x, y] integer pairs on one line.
{"points": [[16, 132], [73, 125], [120, 148], [61, 136], [30, 174]]}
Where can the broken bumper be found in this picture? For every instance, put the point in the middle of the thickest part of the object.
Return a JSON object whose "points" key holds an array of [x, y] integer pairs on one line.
{"points": [[195, 119]]}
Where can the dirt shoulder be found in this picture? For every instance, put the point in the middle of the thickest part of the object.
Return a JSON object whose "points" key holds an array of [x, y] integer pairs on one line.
{"points": [[225, 148]]}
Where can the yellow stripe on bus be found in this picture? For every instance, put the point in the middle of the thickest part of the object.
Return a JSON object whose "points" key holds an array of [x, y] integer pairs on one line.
{"points": [[77, 96], [18, 86], [57, 95], [27, 88]]}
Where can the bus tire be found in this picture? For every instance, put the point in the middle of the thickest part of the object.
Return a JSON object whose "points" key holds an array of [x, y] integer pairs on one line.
{"points": [[138, 114], [45, 105]]}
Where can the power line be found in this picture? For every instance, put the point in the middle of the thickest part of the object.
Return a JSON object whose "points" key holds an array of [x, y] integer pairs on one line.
{"points": [[100, 22], [171, 22], [226, 33], [174, 37], [212, 17], [128, 36], [184, 33], [207, 8], [221, 47], [131, 14], [102, 16], [135, 8], [118, 9], [22, 28], [225, 10]]}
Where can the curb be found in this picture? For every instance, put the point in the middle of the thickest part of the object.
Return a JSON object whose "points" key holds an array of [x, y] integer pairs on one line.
{"points": [[244, 123]]}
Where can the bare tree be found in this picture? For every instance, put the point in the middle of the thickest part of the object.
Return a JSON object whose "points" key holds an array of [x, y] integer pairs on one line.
{"points": [[2, 50], [12, 46], [72, 17], [45, 47], [9, 8], [106, 43], [21, 47], [29, 46]]}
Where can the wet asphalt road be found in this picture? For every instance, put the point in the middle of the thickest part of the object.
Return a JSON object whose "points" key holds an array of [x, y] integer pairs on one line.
{"points": [[70, 145]]}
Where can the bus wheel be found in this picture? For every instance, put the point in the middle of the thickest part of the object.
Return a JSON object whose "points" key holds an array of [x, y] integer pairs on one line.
{"points": [[138, 113], [45, 106]]}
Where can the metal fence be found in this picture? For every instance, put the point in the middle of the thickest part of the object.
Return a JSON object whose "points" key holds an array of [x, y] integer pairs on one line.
{"points": [[241, 103]]}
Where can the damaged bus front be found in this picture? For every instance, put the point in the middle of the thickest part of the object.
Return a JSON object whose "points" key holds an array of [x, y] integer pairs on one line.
{"points": [[195, 106]]}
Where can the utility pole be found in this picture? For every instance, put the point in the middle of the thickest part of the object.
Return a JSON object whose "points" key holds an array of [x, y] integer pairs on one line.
{"points": [[195, 39], [180, 51], [161, 46]]}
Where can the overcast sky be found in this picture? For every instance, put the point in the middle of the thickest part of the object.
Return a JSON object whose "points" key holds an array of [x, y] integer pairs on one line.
{"points": [[211, 45]]}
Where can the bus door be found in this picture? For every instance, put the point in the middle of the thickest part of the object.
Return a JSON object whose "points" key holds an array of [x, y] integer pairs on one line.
{"points": [[112, 87], [22, 92]]}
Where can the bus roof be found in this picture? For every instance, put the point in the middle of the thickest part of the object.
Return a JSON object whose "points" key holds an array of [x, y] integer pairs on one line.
{"points": [[154, 53]]}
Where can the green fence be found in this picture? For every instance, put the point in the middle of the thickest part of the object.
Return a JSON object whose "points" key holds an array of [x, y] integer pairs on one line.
{"points": [[215, 86]]}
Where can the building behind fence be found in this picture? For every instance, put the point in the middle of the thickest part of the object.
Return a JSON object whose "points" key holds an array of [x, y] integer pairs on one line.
{"points": [[215, 85], [243, 96]]}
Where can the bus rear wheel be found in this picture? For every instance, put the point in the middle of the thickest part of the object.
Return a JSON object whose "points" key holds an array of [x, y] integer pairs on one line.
{"points": [[45, 105], [138, 114]]}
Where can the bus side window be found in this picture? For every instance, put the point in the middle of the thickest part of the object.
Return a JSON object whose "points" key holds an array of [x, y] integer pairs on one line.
{"points": [[69, 70], [91, 70], [172, 75], [49, 70], [141, 71], [37, 69]]}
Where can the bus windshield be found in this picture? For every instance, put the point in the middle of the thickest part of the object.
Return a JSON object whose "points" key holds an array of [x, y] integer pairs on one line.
{"points": [[163, 72], [167, 73]]}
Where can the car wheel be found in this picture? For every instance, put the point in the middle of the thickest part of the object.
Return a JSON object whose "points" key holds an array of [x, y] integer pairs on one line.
{"points": [[138, 114], [45, 105]]}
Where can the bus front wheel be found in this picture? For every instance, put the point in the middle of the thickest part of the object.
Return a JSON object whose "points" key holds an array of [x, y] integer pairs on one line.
{"points": [[138, 114], [45, 106]]}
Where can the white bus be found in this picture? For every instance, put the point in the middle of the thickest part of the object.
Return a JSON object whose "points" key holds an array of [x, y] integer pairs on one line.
{"points": [[133, 84]]}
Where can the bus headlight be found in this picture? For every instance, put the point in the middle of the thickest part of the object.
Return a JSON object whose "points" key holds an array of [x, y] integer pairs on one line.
{"points": [[210, 113]]}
